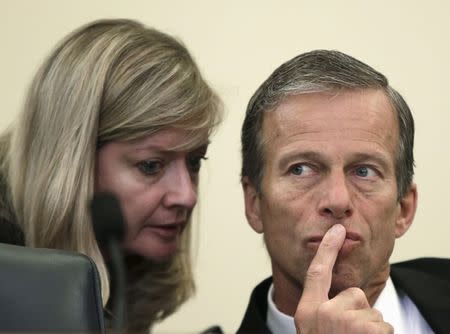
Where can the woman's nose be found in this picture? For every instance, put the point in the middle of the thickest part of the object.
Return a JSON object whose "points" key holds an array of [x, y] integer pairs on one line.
{"points": [[181, 188]]}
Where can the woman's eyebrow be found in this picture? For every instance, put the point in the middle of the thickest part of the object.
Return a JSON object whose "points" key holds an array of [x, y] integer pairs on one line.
{"points": [[162, 148]]}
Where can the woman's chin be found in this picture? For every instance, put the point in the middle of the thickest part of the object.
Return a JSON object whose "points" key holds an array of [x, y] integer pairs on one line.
{"points": [[154, 245], [155, 253]]}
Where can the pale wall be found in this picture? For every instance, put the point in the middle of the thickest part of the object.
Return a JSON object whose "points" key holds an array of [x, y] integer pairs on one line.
{"points": [[237, 44]]}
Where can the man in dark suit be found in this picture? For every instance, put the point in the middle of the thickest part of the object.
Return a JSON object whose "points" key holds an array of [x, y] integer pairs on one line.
{"points": [[327, 148]]}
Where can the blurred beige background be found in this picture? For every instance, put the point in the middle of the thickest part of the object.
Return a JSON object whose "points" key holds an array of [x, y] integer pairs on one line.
{"points": [[237, 44]]}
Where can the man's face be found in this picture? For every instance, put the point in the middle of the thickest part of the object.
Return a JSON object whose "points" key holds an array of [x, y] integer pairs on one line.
{"points": [[330, 158]]}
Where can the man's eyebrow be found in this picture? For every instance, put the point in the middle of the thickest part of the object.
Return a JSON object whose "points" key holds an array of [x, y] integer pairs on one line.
{"points": [[377, 157], [306, 155]]}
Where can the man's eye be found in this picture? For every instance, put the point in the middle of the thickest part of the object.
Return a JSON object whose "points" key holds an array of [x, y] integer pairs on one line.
{"points": [[364, 171], [195, 162], [301, 169], [150, 167]]}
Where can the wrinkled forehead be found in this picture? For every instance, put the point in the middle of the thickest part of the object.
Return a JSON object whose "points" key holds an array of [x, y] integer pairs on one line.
{"points": [[366, 113]]}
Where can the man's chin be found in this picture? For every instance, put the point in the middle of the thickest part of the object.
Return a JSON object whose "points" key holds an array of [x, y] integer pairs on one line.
{"points": [[343, 280]]}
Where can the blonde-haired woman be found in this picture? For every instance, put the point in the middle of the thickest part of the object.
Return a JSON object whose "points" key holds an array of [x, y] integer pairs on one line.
{"points": [[123, 108]]}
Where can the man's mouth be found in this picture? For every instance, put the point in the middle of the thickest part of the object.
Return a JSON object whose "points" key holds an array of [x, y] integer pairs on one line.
{"points": [[352, 240]]}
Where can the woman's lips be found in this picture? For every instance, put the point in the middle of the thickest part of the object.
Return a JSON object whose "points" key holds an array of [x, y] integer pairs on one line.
{"points": [[166, 231]]}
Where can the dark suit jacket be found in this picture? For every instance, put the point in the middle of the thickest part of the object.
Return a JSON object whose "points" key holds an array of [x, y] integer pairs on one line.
{"points": [[426, 281]]}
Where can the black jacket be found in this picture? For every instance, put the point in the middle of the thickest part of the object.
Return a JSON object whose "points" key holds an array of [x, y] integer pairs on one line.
{"points": [[426, 281]]}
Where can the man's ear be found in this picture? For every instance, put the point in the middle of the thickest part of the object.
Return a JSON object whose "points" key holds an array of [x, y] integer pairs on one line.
{"points": [[252, 205], [408, 206]]}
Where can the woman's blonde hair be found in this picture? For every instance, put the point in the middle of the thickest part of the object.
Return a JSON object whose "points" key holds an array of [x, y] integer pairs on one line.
{"points": [[111, 80]]}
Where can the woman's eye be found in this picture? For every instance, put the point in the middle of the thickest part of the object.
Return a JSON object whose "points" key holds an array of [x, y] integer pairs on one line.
{"points": [[150, 167], [365, 172], [195, 162], [301, 169]]}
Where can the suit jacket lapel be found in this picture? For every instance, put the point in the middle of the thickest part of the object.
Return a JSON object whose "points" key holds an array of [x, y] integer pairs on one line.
{"points": [[256, 314], [430, 293]]}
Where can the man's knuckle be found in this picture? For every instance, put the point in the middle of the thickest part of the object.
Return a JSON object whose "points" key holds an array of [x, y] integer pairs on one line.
{"points": [[357, 295], [356, 292], [302, 314], [377, 315], [315, 271], [389, 328], [378, 328], [373, 328], [348, 317], [326, 312]]}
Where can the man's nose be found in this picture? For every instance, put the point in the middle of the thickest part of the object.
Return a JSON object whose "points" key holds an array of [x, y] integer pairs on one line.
{"points": [[336, 199], [181, 188]]}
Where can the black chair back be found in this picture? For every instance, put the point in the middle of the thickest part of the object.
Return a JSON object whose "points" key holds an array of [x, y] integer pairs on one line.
{"points": [[49, 291]]}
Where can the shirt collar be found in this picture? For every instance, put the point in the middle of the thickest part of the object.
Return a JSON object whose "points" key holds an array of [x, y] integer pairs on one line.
{"points": [[388, 303], [277, 321]]}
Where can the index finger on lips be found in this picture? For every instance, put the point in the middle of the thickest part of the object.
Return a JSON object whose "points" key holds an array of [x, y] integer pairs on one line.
{"points": [[318, 277]]}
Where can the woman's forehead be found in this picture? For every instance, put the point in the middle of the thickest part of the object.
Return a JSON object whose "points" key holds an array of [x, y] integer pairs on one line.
{"points": [[172, 139]]}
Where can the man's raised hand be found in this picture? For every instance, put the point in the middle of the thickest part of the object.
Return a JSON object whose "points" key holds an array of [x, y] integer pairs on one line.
{"points": [[348, 312]]}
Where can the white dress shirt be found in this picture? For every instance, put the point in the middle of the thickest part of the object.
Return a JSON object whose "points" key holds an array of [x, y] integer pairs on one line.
{"points": [[397, 309]]}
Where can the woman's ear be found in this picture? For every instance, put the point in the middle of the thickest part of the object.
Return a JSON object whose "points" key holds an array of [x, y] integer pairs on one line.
{"points": [[408, 206], [252, 205]]}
